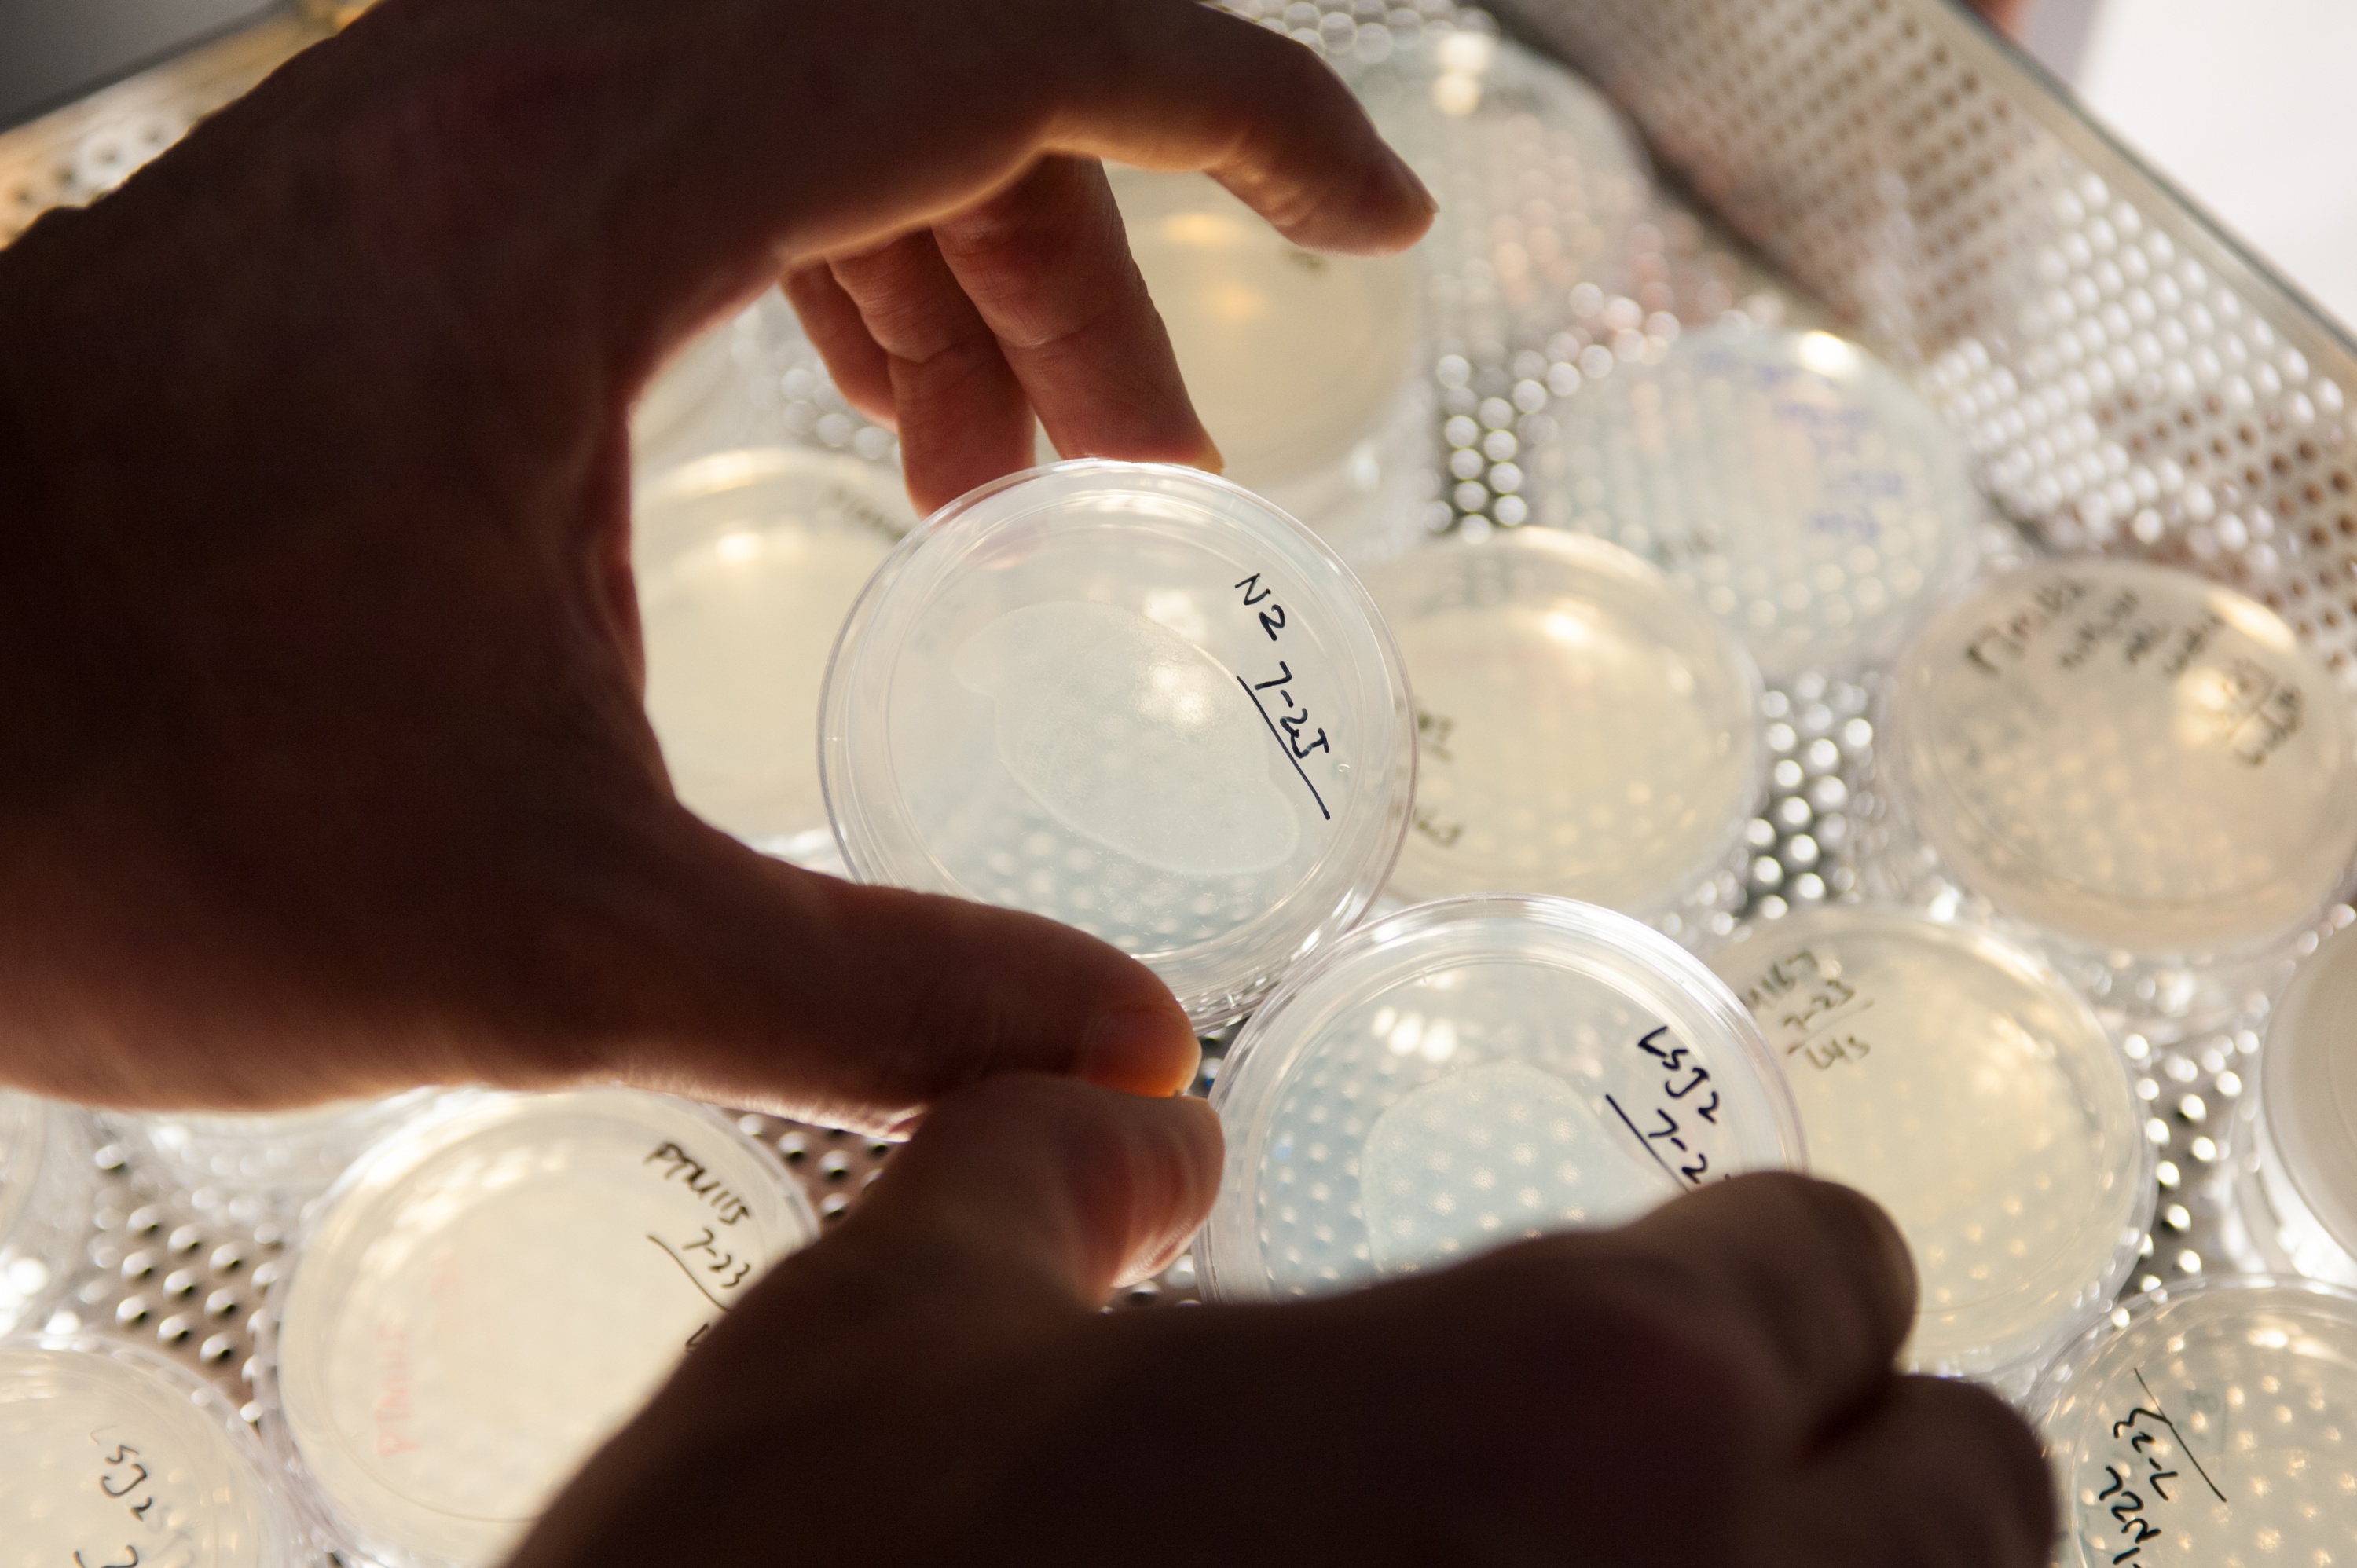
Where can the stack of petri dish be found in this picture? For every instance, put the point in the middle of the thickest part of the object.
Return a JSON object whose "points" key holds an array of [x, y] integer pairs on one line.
{"points": [[112, 1455], [1583, 729], [1301, 365], [1473, 1072], [1132, 698], [47, 1192], [746, 563], [1787, 479], [1955, 1079], [2135, 760], [491, 1292], [2208, 1423]]}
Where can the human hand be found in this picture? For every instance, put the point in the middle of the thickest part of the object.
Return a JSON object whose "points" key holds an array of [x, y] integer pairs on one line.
{"points": [[326, 768], [933, 1383]]}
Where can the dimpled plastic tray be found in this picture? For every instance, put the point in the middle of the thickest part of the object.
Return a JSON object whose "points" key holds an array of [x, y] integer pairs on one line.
{"points": [[2126, 382]]}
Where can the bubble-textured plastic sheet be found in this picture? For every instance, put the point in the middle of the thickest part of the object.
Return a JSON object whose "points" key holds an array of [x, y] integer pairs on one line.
{"points": [[2125, 380]]}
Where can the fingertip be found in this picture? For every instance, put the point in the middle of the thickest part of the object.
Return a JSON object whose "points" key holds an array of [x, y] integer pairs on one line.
{"points": [[1150, 1051]]}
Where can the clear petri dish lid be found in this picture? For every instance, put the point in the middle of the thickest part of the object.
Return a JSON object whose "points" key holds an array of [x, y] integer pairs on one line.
{"points": [[2127, 755], [1956, 1080], [110, 1455], [493, 1290], [2308, 1089], [2208, 1423], [47, 1187], [746, 563], [1583, 729], [1788, 479], [1293, 357], [1134, 699], [1487, 123], [1471, 1073]]}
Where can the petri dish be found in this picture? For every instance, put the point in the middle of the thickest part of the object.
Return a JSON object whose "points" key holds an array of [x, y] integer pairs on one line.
{"points": [[746, 563], [2209, 1422], [1787, 479], [494, 1290], [1471, 1073], [48, 1186], [1582, 727], [2129, 756], [289, 1156], [110, 1455], [1296, 361], [1538, 175], [1132, 698], [1957, 1081], [2304, 1156]]}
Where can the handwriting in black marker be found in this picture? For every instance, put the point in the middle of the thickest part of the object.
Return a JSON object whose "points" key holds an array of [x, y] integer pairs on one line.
{"points": [[1673, 1059], [121, 1451], [141, 1511], [1641, 1141], [132, 1564], [1284, 674], [2162, 1416], [689, 1271], [126, 1486], [1248, 585], [1289, 754], [1699, 1079]]}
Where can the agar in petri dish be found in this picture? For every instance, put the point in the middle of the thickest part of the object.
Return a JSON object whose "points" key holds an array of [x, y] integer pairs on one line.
{"points": [[1471, 1073], [1134, 699], [45, 1185], [746, 563], [1788, 479], [2306, 1157], [1956, 1080], [494, 1290], [2208, 1423], [2129, 756], [1582, 727], [1293, 359], [111, 1455]]}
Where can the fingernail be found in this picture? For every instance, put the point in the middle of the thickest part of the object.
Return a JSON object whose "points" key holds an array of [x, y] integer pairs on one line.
{"points": [[1414, 186], [1141, 1053], [1214, 461]]}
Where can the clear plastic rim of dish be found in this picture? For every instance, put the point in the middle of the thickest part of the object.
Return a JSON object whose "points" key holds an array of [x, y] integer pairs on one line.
{"points": [[2281, 1188], [1216, 982], [2013, 1374], [2189, 986], [1591, 554], [45, 1222], [278, 1512], [461, 1115], [2058, 1381], [1623, 951]]}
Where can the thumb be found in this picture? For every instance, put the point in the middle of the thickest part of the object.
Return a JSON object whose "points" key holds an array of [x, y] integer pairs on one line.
{"points": [[738, 977], [1000, 1226], [1071, 1185]]}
